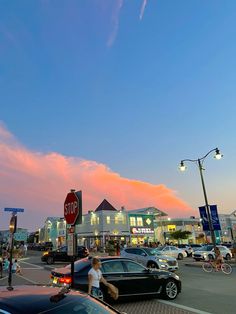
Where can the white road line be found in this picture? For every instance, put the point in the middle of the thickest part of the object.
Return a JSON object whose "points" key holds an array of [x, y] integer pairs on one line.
{"points": [[31, 281], [35, 266], [3, 278], [183, 307]]}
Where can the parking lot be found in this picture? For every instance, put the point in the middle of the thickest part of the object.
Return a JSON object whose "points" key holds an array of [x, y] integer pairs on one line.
{"points": [[202, 293]]}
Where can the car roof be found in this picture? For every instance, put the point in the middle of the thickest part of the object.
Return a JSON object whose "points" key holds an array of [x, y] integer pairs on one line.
{"points": [[35, 299]]}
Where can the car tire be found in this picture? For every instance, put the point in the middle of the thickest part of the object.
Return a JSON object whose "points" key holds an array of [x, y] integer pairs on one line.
{"points": [[180, 256], [210, 257], [228, 257], [152, 265], [50, 260], [170, 290]]}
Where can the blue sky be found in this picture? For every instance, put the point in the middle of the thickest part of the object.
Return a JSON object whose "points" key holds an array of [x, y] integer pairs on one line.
{"points": [[91, 79]]}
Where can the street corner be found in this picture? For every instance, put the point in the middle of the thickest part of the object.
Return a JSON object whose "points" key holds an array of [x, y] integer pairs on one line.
{"points": [[154, 306]]}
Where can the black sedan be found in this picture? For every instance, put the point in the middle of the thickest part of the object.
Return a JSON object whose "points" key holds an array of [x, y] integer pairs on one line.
{"points": [[131, 278], [60, 255], [35, 299]]}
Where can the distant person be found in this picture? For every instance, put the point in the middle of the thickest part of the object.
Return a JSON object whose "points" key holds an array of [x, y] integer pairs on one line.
{"points": [[16, 268], [218, 259], [6, 264], [25, 249]]}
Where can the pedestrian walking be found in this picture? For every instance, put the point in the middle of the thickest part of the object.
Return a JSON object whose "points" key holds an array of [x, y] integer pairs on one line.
{"points": [[16, 269], [94, 279], [25, 249]]}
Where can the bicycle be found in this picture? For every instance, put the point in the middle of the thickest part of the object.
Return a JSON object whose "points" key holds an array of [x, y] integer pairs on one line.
{"points": [[210, 265]]}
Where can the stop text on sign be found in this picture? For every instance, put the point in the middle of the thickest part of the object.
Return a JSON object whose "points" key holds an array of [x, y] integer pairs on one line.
{"points": [[71, 208]]}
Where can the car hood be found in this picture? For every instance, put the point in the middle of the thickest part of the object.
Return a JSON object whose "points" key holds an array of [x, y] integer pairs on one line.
{"points": [[168, 258], [202, 252]]}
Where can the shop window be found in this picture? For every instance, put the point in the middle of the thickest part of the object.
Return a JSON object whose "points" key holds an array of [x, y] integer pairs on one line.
{"points": [[116, 220], [132, 221], [98, 220], [93, 220], [108, 220], [139, 221]]}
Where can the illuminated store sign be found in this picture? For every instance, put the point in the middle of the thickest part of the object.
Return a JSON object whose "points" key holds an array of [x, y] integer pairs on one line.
{"points": [[141, 230]]}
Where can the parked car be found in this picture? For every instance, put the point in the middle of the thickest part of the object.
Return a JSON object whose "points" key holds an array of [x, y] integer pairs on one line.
{"points": [[196, 247], [187, 248], [207, 253], [131, 278], [36, 299], [150, 257], [173, 251], [60, 255]]}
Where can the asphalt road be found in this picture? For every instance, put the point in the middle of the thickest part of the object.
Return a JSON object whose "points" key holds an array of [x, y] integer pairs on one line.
{"points": [[202, 292]]}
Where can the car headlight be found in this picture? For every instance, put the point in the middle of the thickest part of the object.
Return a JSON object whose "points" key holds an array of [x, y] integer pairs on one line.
{"points": [[176, 276], [162, 260], [46, 253]]}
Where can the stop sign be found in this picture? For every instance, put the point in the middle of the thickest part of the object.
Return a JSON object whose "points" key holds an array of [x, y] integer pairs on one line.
{"points": [[71, 208]]}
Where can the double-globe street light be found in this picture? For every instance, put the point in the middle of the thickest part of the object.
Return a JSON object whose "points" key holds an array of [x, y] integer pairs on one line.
{"points": [[199, 162]]}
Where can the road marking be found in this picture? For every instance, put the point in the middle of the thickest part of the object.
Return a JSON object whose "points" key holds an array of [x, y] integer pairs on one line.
{"points": [[27, 279], [3, 278], [183, 307], [35, 266]]}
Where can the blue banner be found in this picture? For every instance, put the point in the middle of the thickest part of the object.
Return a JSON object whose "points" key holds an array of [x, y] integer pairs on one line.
{"points": [[215, 217], [203, 215]]}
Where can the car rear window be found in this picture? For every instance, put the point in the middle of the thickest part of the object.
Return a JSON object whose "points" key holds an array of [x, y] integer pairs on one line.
{"points": [[80, 265]]}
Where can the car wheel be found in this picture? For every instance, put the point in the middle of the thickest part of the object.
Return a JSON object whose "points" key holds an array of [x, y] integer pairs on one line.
{"points": [[152, 265], [170, 290], [228, 257], [50, 260], [211, 257], [180, 256]]}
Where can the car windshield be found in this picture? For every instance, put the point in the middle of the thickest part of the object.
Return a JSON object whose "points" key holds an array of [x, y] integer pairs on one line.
{"points": [[79, 265], [80, 305], [207, 248], [153, 251]]}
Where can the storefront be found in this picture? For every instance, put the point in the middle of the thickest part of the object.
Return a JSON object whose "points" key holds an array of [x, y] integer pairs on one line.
{"points": [[141, 229]]}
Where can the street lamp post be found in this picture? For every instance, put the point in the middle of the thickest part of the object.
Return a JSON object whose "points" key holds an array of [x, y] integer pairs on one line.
{"points": [[199, 162]]}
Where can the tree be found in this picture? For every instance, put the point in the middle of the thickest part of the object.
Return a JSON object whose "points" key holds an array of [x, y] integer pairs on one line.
{"points": [[180, 235]]}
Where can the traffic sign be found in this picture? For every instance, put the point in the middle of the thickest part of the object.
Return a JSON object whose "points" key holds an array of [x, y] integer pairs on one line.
{"points": [[72, 207], [14, 210]]}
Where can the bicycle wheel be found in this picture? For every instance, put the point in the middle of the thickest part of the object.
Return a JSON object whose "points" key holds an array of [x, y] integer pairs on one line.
{"points": [[226, 268], [207, 267]]}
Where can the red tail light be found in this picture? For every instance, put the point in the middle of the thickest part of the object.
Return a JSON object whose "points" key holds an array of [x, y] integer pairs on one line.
{"points": [[66, 280]]}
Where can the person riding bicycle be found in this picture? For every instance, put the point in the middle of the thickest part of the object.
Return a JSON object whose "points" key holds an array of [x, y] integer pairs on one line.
{"points": [[218, 259]]}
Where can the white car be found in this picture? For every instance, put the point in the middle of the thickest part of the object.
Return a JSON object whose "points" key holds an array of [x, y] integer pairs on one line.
{"points": [[150, 257], [207, 253], [173, 251]]}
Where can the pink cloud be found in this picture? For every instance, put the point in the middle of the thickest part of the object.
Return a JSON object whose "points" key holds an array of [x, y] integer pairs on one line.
{"points": [[39, 182]]}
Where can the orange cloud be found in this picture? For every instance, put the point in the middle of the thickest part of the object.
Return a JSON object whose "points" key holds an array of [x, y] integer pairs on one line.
{"points": [[39, 182]]}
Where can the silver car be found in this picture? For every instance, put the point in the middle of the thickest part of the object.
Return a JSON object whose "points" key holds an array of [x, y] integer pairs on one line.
{"points": [[207, 253], [150, 257], [173, 251]]}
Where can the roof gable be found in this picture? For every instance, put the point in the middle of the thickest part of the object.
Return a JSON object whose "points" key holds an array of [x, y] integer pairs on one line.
{"points": [[105, 205]]}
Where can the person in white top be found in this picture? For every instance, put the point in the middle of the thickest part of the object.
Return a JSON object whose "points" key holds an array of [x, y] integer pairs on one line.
{"points": [[94, 279]]}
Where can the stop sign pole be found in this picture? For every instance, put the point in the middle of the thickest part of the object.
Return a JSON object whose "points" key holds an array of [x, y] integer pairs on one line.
{"points": [[73, 216]]}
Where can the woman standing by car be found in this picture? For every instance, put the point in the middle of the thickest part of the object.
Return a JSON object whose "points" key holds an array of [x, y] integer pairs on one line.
{"points": [[94, 279]]}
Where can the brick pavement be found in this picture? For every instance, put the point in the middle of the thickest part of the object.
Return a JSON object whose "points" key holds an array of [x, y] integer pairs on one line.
{"points": [[152, 306]]}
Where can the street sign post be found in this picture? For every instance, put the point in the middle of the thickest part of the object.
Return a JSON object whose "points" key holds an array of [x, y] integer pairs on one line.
{"points": [[14, 210], [73, 216], [71, 208]]}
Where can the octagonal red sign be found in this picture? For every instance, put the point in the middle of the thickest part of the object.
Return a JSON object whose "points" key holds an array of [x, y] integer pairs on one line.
{"points": [[71, 208]]}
